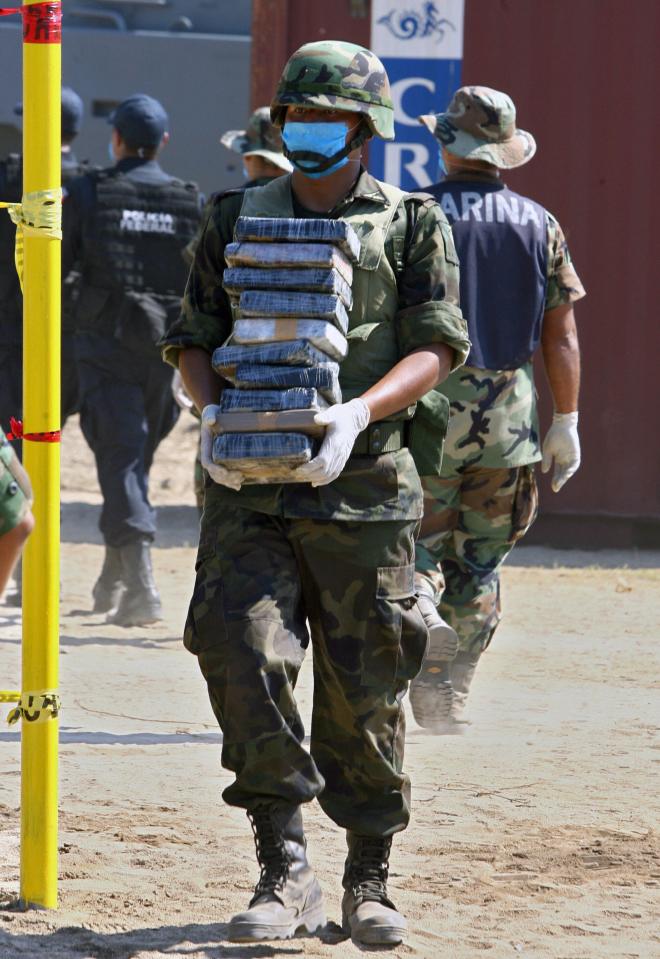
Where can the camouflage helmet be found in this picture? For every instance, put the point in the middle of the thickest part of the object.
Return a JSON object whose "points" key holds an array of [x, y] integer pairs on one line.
{"points": [[260, 138], [336, 75]]}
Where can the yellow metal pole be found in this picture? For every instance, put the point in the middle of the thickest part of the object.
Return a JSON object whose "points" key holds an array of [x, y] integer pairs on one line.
{"points": [[41, 414]]}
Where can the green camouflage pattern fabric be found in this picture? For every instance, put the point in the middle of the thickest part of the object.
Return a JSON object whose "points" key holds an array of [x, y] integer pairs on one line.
{"points": [[494, 419], [188, 252], [472, 519], [264, 585], [336, 75], [261, 137], [384, 488], [15, 489], [480, 124]]}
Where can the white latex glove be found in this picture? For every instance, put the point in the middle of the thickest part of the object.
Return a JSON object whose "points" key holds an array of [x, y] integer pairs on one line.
{"points": [[561, 444], [182, 399], [225, 477], [344, 422]]}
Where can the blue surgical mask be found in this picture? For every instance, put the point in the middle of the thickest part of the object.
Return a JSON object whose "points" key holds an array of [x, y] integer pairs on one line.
{"points": [[309, 145], [111, 153]]}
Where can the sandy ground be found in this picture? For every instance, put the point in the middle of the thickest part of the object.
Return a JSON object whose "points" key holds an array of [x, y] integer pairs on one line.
{"points": [[532, 835]]}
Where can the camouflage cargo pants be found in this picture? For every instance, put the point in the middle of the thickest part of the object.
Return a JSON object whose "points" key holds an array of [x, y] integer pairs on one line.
{"points": [[264, 585], [472, 519]]}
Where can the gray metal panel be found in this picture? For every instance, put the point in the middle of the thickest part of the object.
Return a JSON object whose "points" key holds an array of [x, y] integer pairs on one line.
{"points": [[202, 80], [203, 16]]}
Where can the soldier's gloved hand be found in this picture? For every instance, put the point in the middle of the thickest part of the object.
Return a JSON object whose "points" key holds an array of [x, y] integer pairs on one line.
{"points": [[561, 444], [225, 477], [344, 422]]}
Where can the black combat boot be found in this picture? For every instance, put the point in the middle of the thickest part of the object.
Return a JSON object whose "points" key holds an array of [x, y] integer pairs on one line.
{"points": [[287, 897], [108, 586], [431, 694], [367, 913], [139, 604]]}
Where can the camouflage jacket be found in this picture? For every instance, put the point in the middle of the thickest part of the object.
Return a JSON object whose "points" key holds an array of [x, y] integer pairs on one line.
{"points": [[494, 419], [370, 488]]}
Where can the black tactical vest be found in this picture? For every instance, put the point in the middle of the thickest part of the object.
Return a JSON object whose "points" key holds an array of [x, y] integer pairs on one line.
{"points": [[133, 271], [11, 301], [134, 238]]}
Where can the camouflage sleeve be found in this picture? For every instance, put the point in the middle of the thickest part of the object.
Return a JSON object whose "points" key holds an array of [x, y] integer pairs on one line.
{"points": [[205, 319], [188, 252], [564, 284], [429, 284]]}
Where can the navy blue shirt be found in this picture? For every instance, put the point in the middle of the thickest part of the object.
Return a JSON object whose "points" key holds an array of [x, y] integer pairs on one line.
{"points": [[502, 244]]}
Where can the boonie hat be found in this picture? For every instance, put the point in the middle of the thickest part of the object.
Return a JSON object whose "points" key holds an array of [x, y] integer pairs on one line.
{"points": [[140, 120], [480, 124], [260, 138], [72, 111]]}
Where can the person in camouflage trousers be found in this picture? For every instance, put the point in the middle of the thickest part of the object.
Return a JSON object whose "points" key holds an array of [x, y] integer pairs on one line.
{"points": [[518, 287], [329, 557]]}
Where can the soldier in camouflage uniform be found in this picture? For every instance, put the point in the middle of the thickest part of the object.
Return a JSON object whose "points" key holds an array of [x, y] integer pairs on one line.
{"points": [[260, 146], [16, 519], [336, 549], [518, 287]]}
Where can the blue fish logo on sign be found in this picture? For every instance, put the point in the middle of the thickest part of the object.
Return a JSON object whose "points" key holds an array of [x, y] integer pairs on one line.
{"points": [[413, 24]]}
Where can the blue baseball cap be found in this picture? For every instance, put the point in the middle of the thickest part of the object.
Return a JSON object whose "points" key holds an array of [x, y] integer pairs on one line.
{"points": [[72, 111], [140, 120]]}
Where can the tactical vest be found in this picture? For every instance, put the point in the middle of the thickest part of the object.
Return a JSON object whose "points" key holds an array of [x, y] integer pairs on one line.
{"points": [[11, 300], [502, 244], [373, 346], [133, 240]]}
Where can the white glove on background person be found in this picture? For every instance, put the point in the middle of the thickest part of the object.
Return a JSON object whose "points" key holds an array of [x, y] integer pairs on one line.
{"points": [[225, 477], [344, 422], [561, 444]]}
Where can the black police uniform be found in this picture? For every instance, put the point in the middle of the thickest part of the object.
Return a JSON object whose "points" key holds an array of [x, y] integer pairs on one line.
{"points": [[11, 302], [126, 227]]}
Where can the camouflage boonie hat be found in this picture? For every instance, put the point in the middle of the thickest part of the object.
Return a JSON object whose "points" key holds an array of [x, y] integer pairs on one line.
{"points": [[337, 75], [480, 124], [260, 138]]}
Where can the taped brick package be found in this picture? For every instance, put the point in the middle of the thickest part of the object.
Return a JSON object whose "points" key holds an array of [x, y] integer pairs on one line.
{"points": [[319, 333], [307, 279], [319, 255], [289, 283]]}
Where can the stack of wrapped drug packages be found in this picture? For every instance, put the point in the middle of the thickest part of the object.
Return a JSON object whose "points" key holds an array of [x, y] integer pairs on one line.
{"points": [[290, 285]]}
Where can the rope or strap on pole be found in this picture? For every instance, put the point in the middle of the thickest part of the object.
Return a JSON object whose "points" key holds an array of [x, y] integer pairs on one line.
{"points": [[9, 696], [36, 707], [38, 214], [42, 22]]}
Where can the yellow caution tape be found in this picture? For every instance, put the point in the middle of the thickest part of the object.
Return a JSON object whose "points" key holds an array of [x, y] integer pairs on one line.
{"points": [[38, 214], [36, 707], [9, 696]]}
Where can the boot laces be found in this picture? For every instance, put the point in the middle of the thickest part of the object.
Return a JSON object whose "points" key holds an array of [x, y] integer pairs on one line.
{"points": [[271, 854], [369, 869]]}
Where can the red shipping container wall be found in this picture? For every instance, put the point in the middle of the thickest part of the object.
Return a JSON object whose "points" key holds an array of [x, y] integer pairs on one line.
{"points": [[585, 78]]}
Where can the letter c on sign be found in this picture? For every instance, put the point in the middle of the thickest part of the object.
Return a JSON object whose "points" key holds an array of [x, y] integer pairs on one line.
{"points": [[399, 90]]}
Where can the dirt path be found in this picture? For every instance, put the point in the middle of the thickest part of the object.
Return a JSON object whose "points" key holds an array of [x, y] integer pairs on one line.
{"points": [[532, 834]]}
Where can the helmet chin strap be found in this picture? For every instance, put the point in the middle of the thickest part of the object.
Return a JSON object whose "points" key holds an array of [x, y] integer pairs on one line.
{"points": [[320, 160]]}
